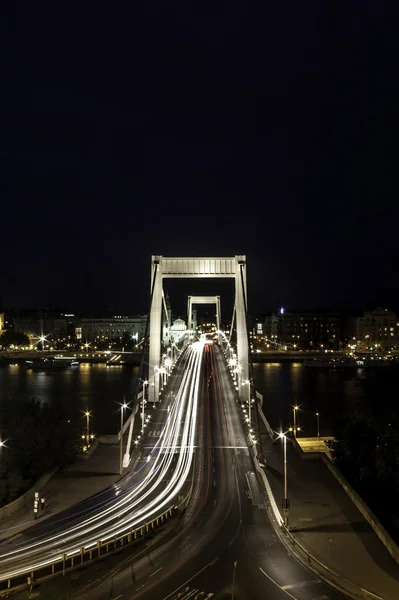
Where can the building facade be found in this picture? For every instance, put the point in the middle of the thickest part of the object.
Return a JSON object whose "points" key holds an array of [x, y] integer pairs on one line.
{"points": [[37, 323], [377, 330], [298, 329], [113, 328]]}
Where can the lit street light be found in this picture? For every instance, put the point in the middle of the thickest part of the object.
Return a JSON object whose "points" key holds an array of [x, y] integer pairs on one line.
{"points": [[87, 415], [295, 408], [145, 382], [123, 406], [286, 502]]}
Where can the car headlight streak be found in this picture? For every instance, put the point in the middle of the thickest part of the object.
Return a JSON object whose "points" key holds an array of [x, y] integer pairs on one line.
{"points": [[143, 501]]}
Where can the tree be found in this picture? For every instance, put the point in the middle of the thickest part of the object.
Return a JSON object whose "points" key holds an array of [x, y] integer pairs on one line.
{"points": [[13, 338], [366, 450], [39, 439]]}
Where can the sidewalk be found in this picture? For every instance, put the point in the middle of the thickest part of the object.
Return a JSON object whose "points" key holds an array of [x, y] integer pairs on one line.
{"points": [[327, 524], [79, 481]]}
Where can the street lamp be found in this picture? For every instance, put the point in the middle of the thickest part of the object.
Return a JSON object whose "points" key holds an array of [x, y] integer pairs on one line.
{"points": [[286, 502], [87, 415], [123, 406], [145, 382], [318, 424], [168, 364], [295, 408], [247, 382]]}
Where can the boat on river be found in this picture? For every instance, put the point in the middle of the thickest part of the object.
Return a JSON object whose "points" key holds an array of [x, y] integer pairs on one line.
{"points": [[52, 363]]}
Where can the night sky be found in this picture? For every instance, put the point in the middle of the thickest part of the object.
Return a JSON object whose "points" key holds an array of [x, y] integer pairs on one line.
{"points": [[258, 128]]}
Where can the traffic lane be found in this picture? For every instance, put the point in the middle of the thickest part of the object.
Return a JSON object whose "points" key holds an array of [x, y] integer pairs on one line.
{"points": [[150, 582], [270, 561], [17, 560], [199, 538], [78, 512], [228, 545], [208, 526]]}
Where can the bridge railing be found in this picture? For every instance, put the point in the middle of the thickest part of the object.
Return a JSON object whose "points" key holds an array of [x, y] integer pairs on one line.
{"points": [[66, 561]]}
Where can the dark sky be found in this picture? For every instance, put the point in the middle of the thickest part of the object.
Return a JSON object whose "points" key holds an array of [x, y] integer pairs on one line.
{"points": [[258, 128]]}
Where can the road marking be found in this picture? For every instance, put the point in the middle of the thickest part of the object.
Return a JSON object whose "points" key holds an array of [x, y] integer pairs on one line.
{"points": [[155, 571], [301, 584], [213, 561], [214, 503], [117, 597], [277, 585], [188, 581]]}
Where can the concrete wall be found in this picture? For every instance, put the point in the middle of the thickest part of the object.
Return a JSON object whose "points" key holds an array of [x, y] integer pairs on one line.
{"points": [[266, 422], [27, 498], [370, 517]]}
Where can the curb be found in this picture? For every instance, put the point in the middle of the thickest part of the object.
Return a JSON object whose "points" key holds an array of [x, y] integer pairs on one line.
{"points": [[333, 579]]}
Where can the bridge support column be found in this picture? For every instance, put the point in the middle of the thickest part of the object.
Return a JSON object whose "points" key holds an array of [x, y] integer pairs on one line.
{"points": [[241, 325], [218, 317], [155, 330], [189, 313]]}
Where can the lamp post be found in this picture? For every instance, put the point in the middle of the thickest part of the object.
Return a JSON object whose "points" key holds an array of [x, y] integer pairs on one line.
{"points": [[286, 502], [318, 424], [234, 579], [247, 382], [87, 414], [295, 409], [145, 382], [123, 406]]}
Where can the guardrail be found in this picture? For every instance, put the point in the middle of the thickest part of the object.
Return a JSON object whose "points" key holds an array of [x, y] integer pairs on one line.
{"points": [[65, 562], [343, 585]]}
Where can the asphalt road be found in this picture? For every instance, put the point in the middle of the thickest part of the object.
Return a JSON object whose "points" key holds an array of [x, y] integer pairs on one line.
{"points": [[225, 534], [128, 502]]}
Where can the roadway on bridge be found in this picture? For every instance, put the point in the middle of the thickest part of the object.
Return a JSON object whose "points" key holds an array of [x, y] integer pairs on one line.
{"points": [[152, 488], [226, 523]]}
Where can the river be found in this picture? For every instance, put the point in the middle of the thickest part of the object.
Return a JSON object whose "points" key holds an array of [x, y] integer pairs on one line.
{"points": [[329, 392], [100, 388]]}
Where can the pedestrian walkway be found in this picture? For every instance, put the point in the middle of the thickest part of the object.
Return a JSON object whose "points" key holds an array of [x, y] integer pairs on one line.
{"points": [[327, 523], [79, 481]]}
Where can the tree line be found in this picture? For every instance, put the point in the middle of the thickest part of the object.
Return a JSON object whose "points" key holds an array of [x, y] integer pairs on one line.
{"points": [[366, 450], [36, 439]]}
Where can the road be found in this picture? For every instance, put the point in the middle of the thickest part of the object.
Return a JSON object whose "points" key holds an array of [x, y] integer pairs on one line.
{"points": [[141, 496], [225, 532]]}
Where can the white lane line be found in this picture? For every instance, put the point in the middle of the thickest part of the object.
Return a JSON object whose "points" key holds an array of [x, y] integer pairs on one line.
{"points": [[117, 597], [299, 585], [277, 585], [214, 483], [214, 503], [155, 571], [213, 561], [188, 580]]}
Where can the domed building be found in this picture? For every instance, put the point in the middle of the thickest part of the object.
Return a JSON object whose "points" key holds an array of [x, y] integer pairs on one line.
{"points": [[177, 330]]}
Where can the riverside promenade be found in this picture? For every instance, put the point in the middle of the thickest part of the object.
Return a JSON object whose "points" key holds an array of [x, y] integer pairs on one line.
{"points": [[66, 488], [325, 521]]}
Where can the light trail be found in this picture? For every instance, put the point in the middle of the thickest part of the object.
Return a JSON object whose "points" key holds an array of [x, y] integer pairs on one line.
{"points": [[144, 501]]}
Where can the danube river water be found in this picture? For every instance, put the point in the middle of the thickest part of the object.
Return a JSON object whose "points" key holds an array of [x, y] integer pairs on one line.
{"points": [[330, 392], [100, 388], [90, 386]]}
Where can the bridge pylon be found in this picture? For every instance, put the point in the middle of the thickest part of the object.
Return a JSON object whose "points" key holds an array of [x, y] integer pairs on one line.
{"points": [[198, 268]]}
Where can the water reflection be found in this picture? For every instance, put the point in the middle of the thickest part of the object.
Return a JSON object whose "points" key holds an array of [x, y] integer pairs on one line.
{"points": [[326, 391], [93, 387]]}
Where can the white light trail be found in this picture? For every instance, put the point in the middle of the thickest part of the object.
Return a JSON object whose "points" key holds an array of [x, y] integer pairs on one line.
{"points": [[144, 501]]}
